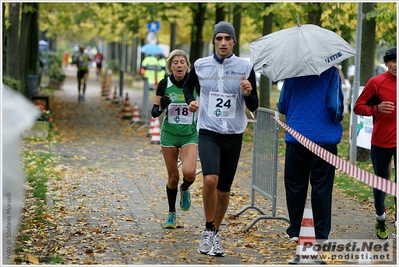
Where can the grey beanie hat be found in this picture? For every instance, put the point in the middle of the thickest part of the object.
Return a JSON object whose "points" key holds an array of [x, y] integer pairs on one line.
{"points": [[224, 27]]}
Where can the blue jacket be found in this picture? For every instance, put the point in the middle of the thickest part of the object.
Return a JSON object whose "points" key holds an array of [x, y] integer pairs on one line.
{"points": [[313, 106]]}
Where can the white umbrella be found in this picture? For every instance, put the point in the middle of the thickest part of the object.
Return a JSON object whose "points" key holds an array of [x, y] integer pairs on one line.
{"points": [[298, 51]]}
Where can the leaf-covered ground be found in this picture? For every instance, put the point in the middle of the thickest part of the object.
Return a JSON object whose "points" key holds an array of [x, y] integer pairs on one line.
{"points": [[109, 204]]}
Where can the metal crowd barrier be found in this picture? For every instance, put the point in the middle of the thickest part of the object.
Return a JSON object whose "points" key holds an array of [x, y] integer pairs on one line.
{"points": [[264, 164], [145, 112]]}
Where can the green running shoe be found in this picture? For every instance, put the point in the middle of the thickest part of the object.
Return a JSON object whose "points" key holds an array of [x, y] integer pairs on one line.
{"points": [[170, 220], [381, 229], [185, 200]]}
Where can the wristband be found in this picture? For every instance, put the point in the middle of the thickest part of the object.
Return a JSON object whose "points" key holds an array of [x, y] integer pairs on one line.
{"points": [[245, 95]]}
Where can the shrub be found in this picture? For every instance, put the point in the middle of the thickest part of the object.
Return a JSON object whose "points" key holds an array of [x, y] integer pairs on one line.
{"points": [[55, 70], [56, 74], [12, 83], [113, 65]]}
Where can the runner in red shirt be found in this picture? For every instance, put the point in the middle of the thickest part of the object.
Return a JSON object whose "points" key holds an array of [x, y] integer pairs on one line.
{"points": [[98, 58], [378, 99]]}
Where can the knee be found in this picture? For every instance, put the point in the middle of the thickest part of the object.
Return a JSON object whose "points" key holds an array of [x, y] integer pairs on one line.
{"points": [[173, 181], [189, 176], [210, 181], [223, 194]]}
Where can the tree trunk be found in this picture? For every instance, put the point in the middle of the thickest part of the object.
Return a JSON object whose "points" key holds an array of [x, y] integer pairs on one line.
{"points": [[134, 70], [264, 85], [314, 15], [220, 12], [12, 55], [220, 15], [368, 45], [4, 34], [199, 10], [29, 43], [173, 34], [367, 61], [237, 10]]}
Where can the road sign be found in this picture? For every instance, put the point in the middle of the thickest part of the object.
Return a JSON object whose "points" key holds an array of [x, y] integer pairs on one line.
{"points": [[151, 38], [154, 26]]}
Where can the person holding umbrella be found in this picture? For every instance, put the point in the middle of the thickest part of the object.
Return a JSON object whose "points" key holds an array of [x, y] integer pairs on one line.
{"points": [[312, 101], [378, 99], [179, 133], [227, 86], [313, 106]]}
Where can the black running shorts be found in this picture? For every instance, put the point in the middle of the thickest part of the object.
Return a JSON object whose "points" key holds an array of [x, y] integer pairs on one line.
{"points": [[219, 155]]}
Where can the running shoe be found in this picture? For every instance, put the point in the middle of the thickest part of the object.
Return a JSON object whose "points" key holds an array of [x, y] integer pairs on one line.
{"points": [[185, 199], [217, 249], [170, 220], [205, 245], [381, 229]]}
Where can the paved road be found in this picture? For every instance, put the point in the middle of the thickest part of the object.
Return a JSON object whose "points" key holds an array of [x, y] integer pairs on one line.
{"points": [[110, 205]]}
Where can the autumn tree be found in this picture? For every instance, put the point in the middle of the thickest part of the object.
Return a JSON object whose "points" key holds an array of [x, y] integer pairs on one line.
{"points": [[111, 20], [237, 11], [220, 12], [12, 41], [265, 82], [368, 45], [22, 47], [197, 24], [29, 40]]}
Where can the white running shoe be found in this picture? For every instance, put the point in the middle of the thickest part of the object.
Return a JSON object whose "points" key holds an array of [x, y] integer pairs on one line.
{"points": [[206, 241], [217, 249]]}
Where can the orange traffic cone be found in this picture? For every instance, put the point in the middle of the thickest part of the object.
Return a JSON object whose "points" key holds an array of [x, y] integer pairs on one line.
{"points": [[305, 252], [127, 111], [106, 92], [115, 99], [136, 114], [152, 125], [109, 79], [102, 89], [156, 134]]}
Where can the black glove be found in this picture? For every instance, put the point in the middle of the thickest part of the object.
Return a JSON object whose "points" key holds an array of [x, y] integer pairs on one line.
{"points": [[165, 101], [156, 111]]}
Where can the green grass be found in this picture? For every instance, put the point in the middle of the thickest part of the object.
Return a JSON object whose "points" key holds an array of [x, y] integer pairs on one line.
{"points": [[39, 167]]}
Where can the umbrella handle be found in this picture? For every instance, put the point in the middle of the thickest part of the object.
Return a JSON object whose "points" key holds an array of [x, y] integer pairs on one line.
{"points": [[297, 19]]}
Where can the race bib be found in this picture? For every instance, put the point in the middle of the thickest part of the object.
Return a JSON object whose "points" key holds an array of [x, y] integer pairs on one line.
{"points": [[178, 113], [82, 61], [222, 105]]}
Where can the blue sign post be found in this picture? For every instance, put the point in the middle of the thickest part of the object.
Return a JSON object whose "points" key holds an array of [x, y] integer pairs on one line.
{"points": [[154, 26]]}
